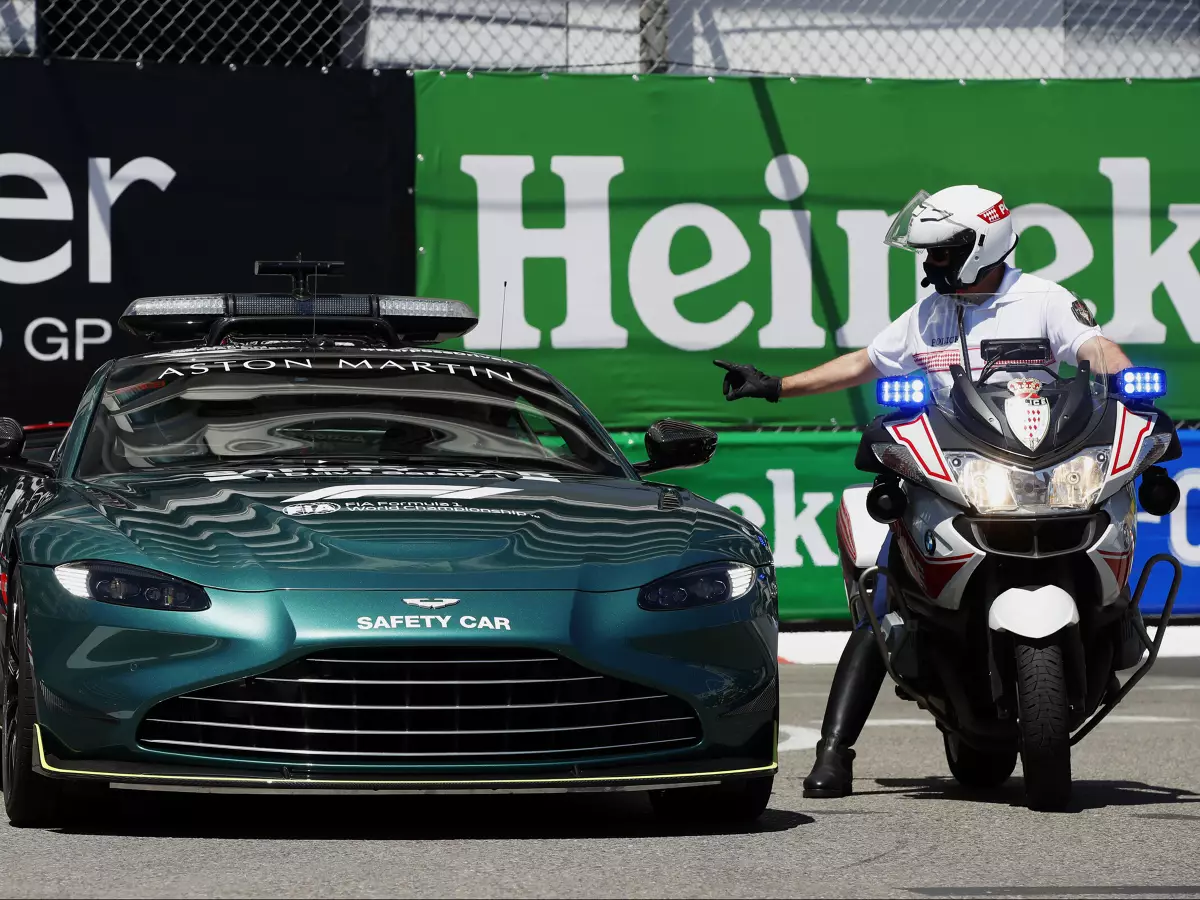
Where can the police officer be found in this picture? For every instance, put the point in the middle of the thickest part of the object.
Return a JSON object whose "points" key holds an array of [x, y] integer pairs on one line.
{"points": [[966, 234]]}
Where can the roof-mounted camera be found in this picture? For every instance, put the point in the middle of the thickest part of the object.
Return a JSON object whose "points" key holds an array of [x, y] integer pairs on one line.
{"points": [[303, 274]]}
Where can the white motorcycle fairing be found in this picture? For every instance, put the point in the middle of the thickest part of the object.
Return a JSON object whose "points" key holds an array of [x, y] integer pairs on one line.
{"points": [[1033, 613]]}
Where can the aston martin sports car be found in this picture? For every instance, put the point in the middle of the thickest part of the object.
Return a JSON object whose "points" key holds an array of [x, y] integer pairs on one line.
{"points": [[298, 546]]}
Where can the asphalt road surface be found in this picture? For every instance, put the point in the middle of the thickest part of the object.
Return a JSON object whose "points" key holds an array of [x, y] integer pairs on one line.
{"points": [[1134, 830]]}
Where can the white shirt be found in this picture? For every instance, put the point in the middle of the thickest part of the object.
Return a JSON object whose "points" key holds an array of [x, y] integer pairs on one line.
{"points": [[1025, 306]]}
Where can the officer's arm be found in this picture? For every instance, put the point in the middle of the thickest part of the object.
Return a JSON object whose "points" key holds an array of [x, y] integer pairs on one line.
{"points": [[1101, 353], [846, 371]]}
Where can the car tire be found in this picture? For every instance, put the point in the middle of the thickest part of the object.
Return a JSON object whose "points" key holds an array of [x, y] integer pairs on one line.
{"points": [[31, 800], [732, 802]]}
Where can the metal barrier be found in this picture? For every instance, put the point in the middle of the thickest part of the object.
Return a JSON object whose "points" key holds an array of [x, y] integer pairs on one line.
{"points": [[968, 39]]}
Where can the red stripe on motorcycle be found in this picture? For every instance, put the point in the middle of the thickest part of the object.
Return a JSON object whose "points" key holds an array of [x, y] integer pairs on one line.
{"points": [[845, 534], [1127, 449], [918, 437]]}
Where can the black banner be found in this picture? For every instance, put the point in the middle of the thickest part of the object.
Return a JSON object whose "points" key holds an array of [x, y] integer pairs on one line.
{"points": [[118, 182]]}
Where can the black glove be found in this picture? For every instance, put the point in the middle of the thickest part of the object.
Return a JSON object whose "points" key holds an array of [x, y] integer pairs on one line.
{"points": [[747, 381]]}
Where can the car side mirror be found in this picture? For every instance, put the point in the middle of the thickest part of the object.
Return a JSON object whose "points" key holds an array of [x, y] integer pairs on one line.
{"points": [[12, 439], [671, 444], [12, 443]]}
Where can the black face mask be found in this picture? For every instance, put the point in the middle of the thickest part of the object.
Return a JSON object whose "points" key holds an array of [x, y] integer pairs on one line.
{"points": [[943, 277], [940, 278]]}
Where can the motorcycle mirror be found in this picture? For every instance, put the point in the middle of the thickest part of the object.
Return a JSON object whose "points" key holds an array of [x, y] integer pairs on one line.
{"points": [[12, 439]]}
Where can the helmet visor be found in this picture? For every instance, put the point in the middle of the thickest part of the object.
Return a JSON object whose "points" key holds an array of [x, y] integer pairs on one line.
{"points": [[936, 227], [897, 233]]}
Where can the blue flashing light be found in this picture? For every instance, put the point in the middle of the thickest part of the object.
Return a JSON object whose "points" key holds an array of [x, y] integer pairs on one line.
{"points": [[1141, 384], [907, 391]]}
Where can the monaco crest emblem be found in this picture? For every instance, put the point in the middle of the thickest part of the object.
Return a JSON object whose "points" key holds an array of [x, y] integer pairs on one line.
{"points": [[1027, 413]]}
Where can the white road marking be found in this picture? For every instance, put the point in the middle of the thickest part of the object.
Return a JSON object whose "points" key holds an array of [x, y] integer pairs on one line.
{"points": [[824, 648], [893, 723], [1160, 687], [797, 738], [801, 738]]}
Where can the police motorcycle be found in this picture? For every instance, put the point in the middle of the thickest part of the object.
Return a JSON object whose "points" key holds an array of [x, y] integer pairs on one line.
{"points": [[1005, 506]]}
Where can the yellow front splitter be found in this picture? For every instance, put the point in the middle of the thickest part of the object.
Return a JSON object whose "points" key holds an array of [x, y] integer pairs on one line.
{"points": [[214, 783]]}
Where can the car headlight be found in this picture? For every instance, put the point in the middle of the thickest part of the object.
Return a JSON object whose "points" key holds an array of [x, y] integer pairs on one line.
{"points": [[702, 586], [130, 586], [992, 487]]}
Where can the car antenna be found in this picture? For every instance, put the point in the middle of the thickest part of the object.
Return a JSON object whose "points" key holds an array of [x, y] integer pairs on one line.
{"points": [[503, 306], [312, 291]]}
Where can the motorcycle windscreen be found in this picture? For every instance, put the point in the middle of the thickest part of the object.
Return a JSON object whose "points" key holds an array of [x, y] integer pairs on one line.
{"points": [[1019, 396]]}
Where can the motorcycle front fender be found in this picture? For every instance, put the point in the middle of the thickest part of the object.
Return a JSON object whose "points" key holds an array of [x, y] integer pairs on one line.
{"points": [[1033, 613]]}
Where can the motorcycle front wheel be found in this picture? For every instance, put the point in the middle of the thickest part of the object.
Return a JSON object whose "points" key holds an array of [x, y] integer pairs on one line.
{"points": [[1044, 719]]}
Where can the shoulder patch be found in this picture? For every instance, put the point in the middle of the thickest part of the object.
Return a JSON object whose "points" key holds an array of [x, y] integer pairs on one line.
{"points": [[1082, 313]]}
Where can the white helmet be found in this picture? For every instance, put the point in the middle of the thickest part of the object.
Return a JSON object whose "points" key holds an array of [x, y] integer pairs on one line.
{"points": [[972, 226]]}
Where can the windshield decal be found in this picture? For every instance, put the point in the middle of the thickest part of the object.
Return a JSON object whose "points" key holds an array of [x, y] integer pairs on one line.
{"points": [[266, 364], [320, 471], [324, 507], [439, 491]]}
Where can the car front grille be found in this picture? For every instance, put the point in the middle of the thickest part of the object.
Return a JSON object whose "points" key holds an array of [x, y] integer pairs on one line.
{"points": [[423, 705]]}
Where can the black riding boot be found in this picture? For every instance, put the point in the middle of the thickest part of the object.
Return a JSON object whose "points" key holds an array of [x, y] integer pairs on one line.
{"points": [[856, 683]]}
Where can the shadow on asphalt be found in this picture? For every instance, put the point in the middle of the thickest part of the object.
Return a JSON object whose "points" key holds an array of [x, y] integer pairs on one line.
{"points": [[408, 818], [1085, 794]]}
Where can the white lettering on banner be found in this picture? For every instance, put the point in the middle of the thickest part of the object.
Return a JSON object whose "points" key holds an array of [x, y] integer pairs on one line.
{"points": [[745, 506], [55, 206], [790, 232], [103, 191], [868, 259], [1181, 545], [583, 242], [792, 323], [1137, 270], [61, 342], [1072, 248], [790, 526], [654, 287]]}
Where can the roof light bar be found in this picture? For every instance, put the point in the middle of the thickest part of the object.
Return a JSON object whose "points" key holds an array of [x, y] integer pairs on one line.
{"points": [[182, 305], [416, 306], [904, 392], [216, 318]]}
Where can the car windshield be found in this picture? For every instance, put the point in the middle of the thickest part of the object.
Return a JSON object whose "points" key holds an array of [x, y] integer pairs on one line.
{"points": [[1019, 395], [399, 408]]}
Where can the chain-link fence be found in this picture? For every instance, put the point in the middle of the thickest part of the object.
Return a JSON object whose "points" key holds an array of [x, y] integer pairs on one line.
{"points": [[862, 38]]}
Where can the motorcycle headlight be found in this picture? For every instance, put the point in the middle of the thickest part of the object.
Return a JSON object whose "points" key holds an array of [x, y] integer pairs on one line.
{"points": [[702, 586], [992, 487], [130, 586]]}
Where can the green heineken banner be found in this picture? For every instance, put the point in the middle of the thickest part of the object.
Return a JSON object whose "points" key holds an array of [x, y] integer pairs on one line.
{"points": [[622, 233], [790, 485]]}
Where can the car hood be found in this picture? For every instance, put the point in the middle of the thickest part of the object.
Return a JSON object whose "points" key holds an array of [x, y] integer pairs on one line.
{"points": [[412, 532]]}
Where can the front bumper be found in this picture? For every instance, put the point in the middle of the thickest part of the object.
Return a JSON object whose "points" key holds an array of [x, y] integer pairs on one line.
{"points": [[100, 669], [215, 780]]}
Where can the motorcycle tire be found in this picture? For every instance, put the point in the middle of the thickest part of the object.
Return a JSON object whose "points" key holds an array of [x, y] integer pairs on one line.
{"points": [[978, 769], [1043, 716]]}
